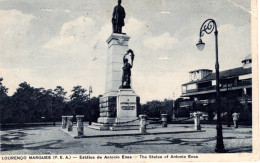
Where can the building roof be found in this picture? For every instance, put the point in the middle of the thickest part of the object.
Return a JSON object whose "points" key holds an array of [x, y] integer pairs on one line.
{"points": [[224, 74], [248, 57], [200, 70]]}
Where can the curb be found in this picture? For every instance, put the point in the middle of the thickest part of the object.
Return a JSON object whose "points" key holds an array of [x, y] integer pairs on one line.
{"points": [[135, 134]]}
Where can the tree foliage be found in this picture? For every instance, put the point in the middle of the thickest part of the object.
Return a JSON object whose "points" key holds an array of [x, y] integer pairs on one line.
{"points": [[155, 108], [79, 100], [4, 103], [29, 104]]}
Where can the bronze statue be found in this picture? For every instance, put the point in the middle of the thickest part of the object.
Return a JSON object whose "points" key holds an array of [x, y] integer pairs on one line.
{"points": [[118, 18], [126, 77]]}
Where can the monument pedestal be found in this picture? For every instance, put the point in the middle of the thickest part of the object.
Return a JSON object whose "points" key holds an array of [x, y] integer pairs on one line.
{"points": [[126, 113], [118, 108], [126, 105], [117, 47], [126, 118]]}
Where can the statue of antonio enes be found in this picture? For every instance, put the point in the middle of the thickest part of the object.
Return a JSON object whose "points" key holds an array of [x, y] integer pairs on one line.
{"points": [[118, 18]]}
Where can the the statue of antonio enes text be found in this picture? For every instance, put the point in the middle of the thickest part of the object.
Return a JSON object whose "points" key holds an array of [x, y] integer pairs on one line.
{"points": [[118, 18], [126, 77]]}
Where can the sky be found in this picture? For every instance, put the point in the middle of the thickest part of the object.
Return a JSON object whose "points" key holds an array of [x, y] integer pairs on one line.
{"points": [[54, 42]]}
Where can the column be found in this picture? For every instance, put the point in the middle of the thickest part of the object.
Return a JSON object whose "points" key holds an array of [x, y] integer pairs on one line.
{"points": [[80, 126], [69, 123], [197, 121], [64, 122], [142, 120], [164, 120]]}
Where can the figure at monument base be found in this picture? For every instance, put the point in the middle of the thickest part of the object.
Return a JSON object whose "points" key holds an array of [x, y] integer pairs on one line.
{"points": [[126, 76]]}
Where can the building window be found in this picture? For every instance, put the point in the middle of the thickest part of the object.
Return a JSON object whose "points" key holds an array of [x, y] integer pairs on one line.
{"points": [[247, 76], [213, 82], [184, 89], [191, 86]]}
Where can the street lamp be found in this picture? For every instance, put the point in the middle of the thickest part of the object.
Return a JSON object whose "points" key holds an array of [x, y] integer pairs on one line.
{"points": [[228, 80], [207, 27], [200, 45], [89, 93]]}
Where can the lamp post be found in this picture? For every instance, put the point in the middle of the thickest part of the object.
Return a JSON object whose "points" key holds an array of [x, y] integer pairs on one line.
{"points": [[173, 107], [227, 97], [89, 93], [207, 27]]}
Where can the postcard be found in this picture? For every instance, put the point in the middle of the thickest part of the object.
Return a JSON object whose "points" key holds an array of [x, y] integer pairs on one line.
{"points": [[129, 81]]}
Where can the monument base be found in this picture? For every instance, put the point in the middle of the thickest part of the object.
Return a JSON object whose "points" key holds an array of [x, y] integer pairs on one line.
{"points": [[126, 105], [107, 108], [126, 112], [99, 126], [125, 124], [103, 123]]}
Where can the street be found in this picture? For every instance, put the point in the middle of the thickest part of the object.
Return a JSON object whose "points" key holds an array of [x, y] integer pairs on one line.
{"points": [[176, 138]]}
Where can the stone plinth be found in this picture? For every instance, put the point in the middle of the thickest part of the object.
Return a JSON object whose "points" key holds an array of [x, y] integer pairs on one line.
{"points": [[126, 118], [69, 123], [80, 127], [64, 122], [117, 48], [107, 109], [126, 105], [164, 120], [197, 121]]}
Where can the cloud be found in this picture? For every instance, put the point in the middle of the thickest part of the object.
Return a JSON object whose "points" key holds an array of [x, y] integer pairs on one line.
{"points": [[234, 44], [80, 37], [75, 37], [164, 41], [165, 12], [135, 27], [75, 47], [242, 6], [81, 46], [14, 29], [158, 85], [163, 58], [169, 67], [13, 76], [78, 27]]}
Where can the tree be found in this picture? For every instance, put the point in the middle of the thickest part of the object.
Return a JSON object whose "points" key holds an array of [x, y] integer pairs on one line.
{"points": [[46, 103], [168, 108], [4, 103], [79, 100], [78, 94], [154, 108], [23, 103], [58, 102], [3, 89], [94, 108], [59, 92], [31, 104]]}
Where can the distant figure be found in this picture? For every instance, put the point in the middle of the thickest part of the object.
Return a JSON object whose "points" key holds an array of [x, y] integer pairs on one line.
{"points": [[118, 18], [235, 119], [126, 77]]}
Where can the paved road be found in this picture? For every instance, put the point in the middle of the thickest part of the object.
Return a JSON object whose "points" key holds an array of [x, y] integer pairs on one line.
{"points": [[51, 140]]}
